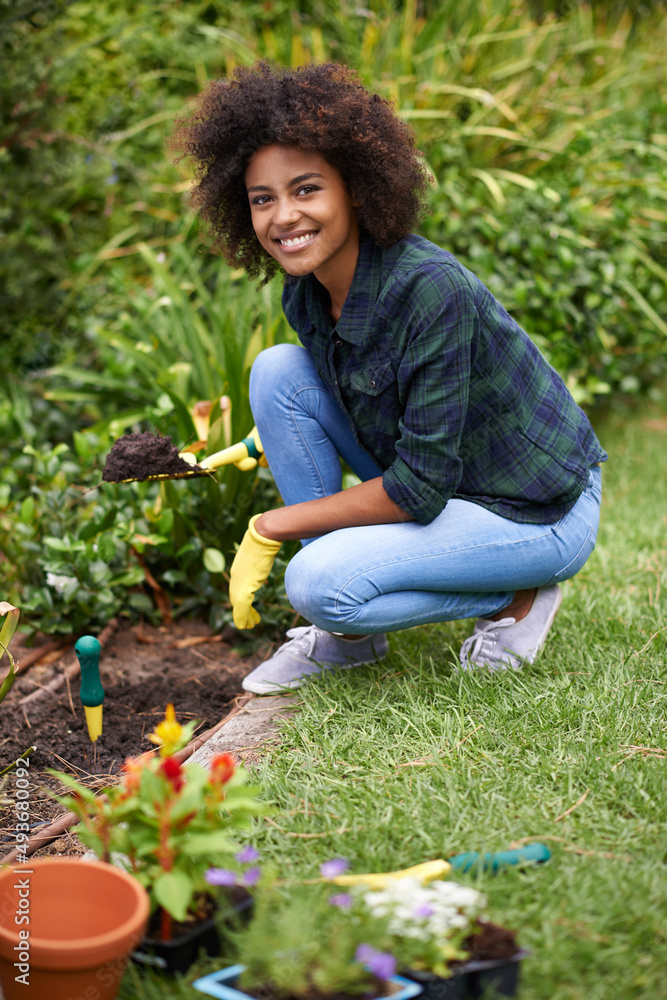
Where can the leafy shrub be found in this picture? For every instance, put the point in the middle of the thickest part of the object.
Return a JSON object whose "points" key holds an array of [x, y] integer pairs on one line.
{"points": [[75, 562]]}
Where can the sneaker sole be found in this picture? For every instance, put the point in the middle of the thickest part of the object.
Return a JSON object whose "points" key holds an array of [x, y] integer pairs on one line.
{"points": [[263, 687], [266, 687]]}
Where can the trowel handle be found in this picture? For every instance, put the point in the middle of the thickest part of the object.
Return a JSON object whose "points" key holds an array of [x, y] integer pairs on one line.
{"points": [[88, 649], [533, 854], [246, 454]]}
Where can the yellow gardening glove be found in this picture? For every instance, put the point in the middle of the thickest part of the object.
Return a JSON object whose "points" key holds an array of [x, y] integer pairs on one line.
{"points": [[250, 569]]}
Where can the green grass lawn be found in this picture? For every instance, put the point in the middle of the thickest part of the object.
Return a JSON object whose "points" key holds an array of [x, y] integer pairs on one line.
{"points": [[411, 760]]}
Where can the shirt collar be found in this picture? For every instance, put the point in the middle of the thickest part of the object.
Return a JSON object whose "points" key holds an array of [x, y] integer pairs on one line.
{"points": [[357, 316]]}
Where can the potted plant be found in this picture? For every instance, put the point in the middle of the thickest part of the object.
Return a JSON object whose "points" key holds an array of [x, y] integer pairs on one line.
{"points": [[167, 824], [441, 939], [302, 944]]}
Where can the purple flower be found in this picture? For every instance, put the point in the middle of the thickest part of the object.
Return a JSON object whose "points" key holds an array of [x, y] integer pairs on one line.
{"points": [[341, 899], [333, 868], [423, 910], [380, 963], [220, 876], [247, 854], [252, 876]]}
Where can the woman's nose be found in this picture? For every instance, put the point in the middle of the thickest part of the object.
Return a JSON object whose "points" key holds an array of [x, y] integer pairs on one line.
{"points": [[286, 212]]}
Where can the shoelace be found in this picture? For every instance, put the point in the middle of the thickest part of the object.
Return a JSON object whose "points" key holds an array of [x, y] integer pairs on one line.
{"points": [[483, 641], [303, 638]]}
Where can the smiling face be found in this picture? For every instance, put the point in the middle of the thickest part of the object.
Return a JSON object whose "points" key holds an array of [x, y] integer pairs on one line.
{"points": [[303, 215]]}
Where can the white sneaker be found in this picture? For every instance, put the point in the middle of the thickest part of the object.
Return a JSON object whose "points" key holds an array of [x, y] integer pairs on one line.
{"points": [[509, 643], [309, 651]]}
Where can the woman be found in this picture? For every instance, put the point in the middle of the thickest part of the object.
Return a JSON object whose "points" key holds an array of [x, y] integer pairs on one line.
{"points": [[480, 485]]}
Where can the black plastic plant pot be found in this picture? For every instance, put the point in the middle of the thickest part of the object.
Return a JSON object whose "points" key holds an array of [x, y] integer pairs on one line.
{"points": [[178, 955], [437, 988], [495, 977], [474, 979]]}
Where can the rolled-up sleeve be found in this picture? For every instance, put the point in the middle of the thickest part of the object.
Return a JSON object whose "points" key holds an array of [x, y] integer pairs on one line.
{"points": [[433, 379]]}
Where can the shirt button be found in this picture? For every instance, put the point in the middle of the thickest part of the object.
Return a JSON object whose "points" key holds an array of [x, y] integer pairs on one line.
{"points": [[372, 384], [339, 343], [336, 382]]}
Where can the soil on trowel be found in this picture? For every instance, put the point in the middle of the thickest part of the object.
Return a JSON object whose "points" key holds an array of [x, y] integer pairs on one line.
{"points": [[143, 456], [142, 669]]}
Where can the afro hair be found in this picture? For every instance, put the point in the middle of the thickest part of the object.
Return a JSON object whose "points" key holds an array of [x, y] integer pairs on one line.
{"points": [[324, 109]]}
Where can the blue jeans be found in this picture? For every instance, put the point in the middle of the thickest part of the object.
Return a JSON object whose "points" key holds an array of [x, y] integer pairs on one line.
{"points": [[467, 563]]}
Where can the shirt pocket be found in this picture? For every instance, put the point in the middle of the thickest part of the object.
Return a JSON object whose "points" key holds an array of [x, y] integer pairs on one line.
{"points": [[372, 378]]}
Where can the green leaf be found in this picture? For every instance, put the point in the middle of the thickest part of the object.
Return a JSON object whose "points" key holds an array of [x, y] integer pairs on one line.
{"points": [[165, 524], [27, 510], [208, 843], [106, 548], [214, 561], [57, 544], [93, 528], [174, 891]]}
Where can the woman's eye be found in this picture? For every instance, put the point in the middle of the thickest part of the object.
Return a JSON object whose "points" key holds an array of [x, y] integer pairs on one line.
{"points": [[261, 199], [307, 188]]}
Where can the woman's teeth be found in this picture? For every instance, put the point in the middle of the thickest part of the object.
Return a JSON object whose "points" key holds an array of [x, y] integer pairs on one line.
{"points": [[297, 241]]}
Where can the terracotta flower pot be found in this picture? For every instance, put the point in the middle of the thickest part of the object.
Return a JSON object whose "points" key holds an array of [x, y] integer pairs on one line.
{"points": [[83, 920]]}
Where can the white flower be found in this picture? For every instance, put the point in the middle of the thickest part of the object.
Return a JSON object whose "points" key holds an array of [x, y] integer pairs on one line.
{"points": [[59, 581], [435, 911]]}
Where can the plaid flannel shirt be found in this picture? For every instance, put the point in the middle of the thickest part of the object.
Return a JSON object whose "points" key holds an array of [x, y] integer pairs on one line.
{"points": [[443, 389]]}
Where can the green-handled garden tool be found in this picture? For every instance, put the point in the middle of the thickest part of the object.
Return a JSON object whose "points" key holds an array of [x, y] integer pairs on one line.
{"points": [[88, 649], [533, 854], [429, 870], [245, 455]]}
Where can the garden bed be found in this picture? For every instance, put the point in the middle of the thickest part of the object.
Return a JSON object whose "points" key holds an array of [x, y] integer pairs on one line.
{"points": [[142, 668]]}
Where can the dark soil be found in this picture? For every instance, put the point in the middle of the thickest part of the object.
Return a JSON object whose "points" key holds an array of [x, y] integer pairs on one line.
{"points": [[144, 456], [492, 942], [141, 669]]}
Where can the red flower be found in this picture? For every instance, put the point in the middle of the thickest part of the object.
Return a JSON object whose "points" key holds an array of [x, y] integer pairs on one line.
{"points": [[222, 768], [173, 772]]}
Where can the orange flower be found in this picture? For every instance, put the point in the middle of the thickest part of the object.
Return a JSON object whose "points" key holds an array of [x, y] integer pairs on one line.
{"points": [[132, 769], [173, 772], [222, 768]]}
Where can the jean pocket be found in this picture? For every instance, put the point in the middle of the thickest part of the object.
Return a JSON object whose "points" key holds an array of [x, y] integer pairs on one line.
{"points": [[578, 560]]}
